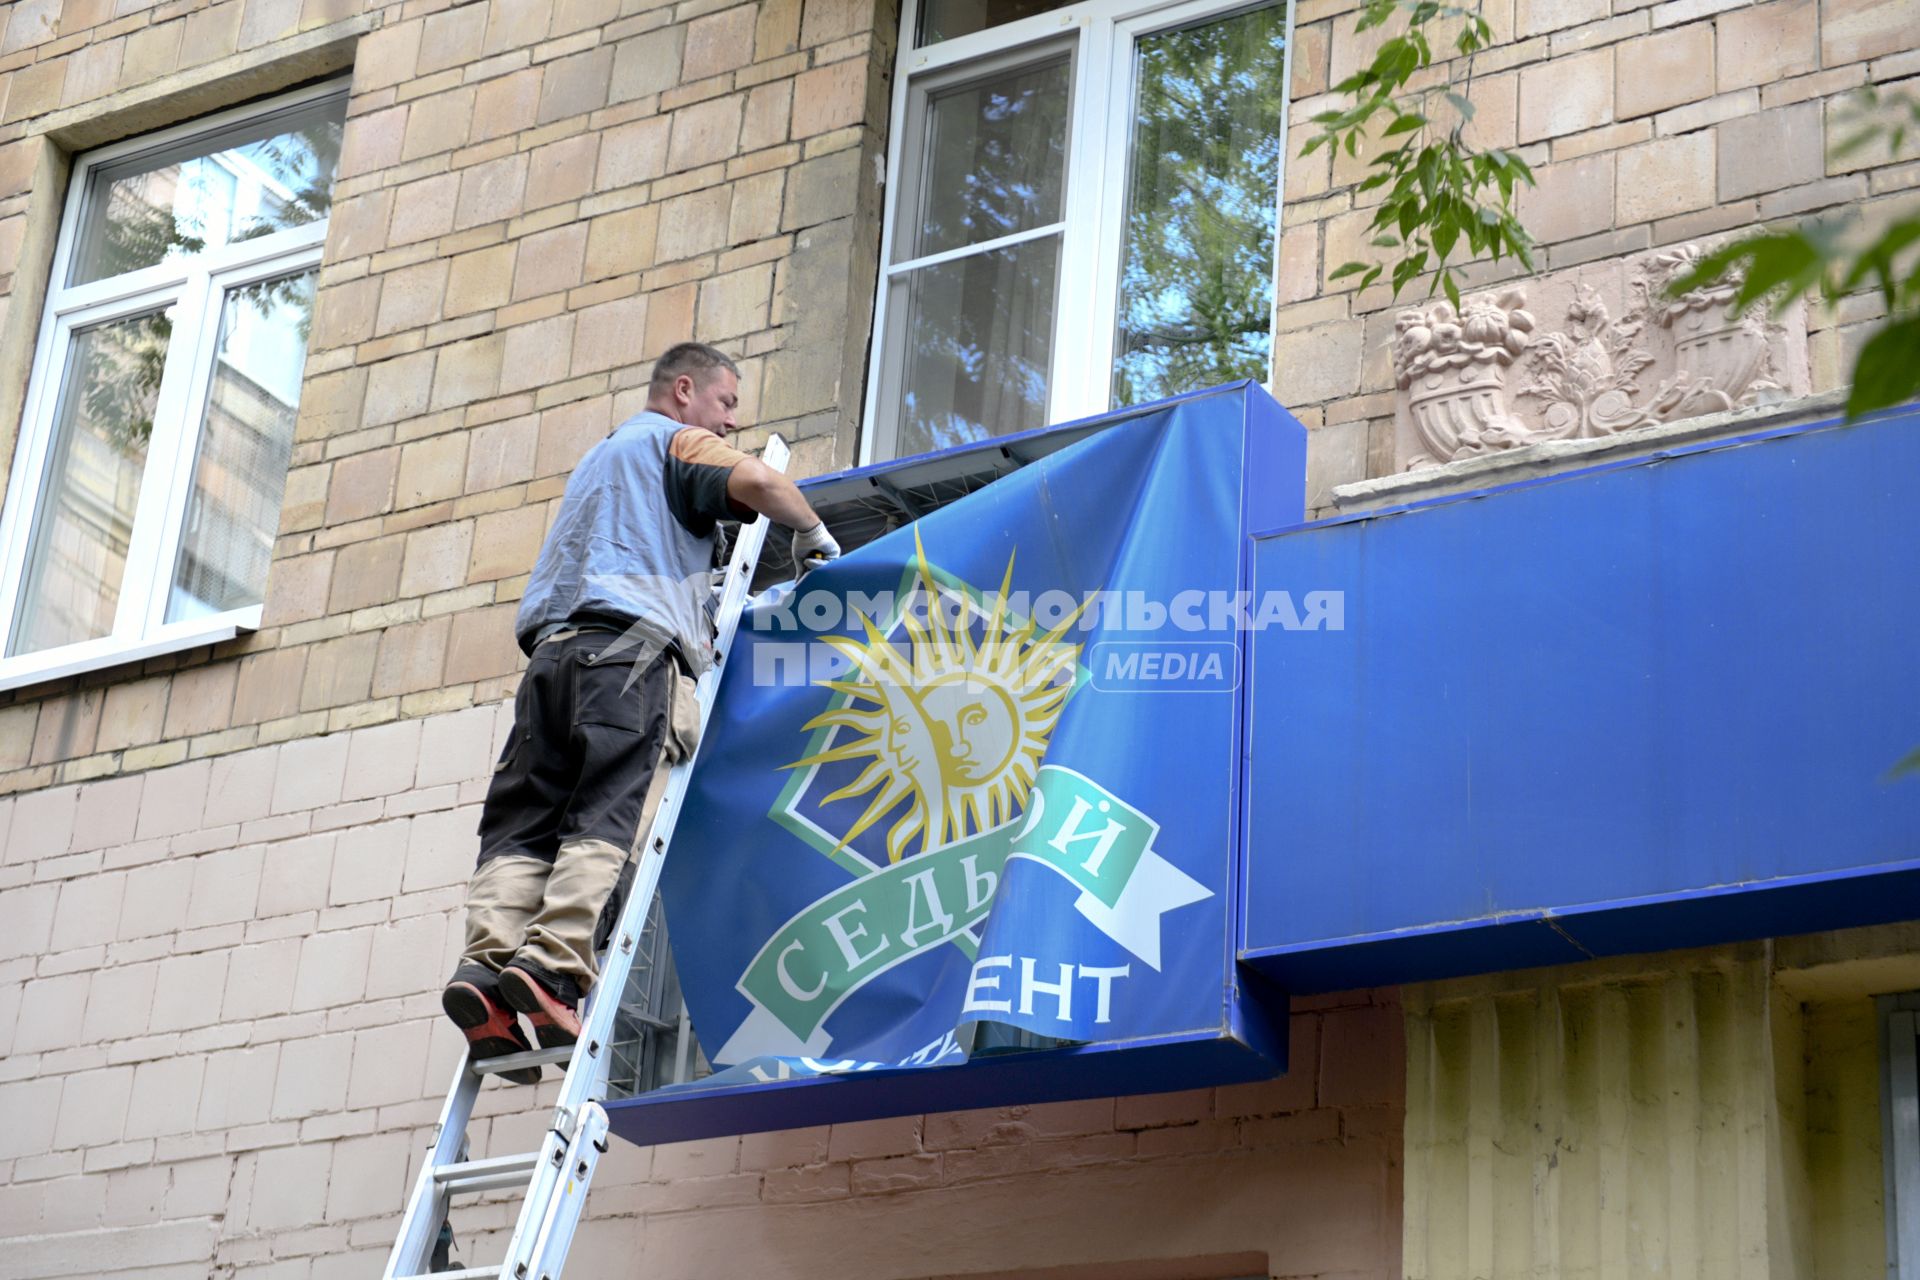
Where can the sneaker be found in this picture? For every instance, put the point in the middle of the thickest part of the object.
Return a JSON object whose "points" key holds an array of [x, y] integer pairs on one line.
{"points": [[491, 1030], [554, 1021]]}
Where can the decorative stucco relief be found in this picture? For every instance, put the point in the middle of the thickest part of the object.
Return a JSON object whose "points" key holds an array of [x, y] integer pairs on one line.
{"points": [[1491, 377]]}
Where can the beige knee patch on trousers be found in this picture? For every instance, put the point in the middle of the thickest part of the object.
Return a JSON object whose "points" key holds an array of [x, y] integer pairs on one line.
{"points": [[522, 906], [546, 913]]}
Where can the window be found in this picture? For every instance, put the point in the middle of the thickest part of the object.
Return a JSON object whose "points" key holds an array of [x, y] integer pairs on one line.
{"points": [[145, 492], [653, 1042], [1900, 1109], [1083, 212]]}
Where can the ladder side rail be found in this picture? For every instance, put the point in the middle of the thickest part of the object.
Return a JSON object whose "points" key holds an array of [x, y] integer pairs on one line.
{"points": [[427, 1206], [548, 1171], [586, 1076], [569, 1200]]}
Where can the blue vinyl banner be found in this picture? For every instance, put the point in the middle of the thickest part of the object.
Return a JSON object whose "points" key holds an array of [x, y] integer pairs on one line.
{"points": [[981, 771]]}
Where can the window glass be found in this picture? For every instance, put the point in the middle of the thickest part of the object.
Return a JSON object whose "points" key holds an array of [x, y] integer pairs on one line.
{"points": [[145, 509], [103, 422], [1161, 215], [246, 439], [1196, 271], [979, 334], [273, 174], [945, 19], [995, 159], [653, 1042], [974, 332], [1900, 1091]]}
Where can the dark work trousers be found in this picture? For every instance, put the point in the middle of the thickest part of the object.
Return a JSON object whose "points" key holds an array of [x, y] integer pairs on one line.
{"points": [[596, 727]]}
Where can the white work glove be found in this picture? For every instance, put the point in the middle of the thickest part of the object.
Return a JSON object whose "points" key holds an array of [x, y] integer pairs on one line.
{"points": [[813, 548]]}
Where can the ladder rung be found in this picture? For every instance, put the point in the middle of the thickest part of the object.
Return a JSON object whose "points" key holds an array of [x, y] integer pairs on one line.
{"points": [[464, 1273], [641, 1014], [531, 1058], [492, 1174]]}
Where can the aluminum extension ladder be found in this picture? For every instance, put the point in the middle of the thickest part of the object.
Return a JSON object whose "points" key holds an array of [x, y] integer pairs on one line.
{"points": [[557, 1175]]}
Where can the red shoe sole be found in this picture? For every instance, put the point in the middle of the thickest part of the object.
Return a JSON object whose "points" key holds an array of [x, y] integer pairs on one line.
{"points": [[554, 1024], [491, 1031]]}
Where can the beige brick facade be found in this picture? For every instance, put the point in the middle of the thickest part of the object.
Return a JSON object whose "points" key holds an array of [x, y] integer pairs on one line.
{"points": [[534, 199], [230, 877], [217, 1020], [1648, 125]]}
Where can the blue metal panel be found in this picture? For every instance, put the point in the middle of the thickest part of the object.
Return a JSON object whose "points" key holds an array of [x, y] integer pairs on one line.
{"points": [[1647, 706], [1054, 1075]]}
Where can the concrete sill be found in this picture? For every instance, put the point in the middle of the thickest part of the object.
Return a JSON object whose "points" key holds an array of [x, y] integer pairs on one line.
{"points": [[19, 673]]}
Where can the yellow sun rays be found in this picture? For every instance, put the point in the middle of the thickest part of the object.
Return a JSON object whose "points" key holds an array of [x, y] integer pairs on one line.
{"points": [[1011, 681]]}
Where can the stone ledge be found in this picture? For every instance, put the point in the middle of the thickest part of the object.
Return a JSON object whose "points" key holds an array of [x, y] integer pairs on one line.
{"points": [[215, 86], [1535, 460]]}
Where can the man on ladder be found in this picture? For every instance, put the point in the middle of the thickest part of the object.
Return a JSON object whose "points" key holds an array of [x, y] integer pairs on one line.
{"points": [[615, 624]]}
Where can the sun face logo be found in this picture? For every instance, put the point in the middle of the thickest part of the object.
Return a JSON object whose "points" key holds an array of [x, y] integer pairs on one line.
{"points": [[932, 781], [951, 725]]}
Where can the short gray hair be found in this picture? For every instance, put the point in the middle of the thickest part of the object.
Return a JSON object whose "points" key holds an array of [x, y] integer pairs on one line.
{"points": [[695, 358]]}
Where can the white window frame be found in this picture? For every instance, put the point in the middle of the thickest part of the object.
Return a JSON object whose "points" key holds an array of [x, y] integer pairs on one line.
{"points": [[195, 286], [1900, 1131], [1102, 35]]}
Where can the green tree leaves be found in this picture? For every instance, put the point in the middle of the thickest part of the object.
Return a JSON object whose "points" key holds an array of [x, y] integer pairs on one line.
{"points": [[1440, 192], [1887, 371]]}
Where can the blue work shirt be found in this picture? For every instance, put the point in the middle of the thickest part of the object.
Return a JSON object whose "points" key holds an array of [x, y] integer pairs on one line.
{"points": [[634, 539]]}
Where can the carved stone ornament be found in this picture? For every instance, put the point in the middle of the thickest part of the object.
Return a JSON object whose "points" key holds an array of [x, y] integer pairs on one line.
{"points": [[1451, 371], [1664, 359]]}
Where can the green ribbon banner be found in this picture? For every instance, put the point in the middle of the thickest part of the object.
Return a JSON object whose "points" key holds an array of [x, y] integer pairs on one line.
{"points": [[1073, 825]]}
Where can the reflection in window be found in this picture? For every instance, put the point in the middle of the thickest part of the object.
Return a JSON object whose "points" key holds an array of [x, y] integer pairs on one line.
{"points": [[1031, 279], [246, 439], [276, 174], [945, 19], [1196, 286], [161, 413], [102, 425], [975, 329], [979, 335], [995, 159]]}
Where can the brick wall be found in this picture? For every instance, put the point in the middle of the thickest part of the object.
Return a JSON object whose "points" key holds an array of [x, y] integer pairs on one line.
{"points": [[536, 197], [1647, 124], [229, 878], [221, 1053]]}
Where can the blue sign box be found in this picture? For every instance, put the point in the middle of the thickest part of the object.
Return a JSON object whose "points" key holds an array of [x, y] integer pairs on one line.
{"points": [[1643, 706], [1650, 704], [971, 788]]}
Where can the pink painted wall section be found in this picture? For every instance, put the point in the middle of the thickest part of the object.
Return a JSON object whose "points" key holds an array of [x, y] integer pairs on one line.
{"points": [[1298, 1177]]}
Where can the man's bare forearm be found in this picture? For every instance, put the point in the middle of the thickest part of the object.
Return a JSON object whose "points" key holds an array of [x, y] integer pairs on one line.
{"points": [[756, 485]]}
